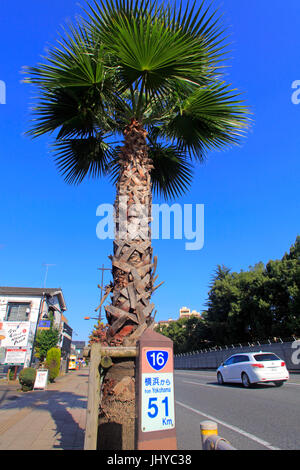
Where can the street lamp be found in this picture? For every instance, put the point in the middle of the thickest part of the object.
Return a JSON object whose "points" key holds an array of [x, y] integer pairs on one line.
{"points": [[91, 318]]}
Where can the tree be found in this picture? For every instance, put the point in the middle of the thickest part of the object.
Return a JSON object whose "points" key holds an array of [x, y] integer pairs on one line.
{"points": [[155, 76], [283, 292], [45, 340], [176, 331], [53, 363], [256, 304]]}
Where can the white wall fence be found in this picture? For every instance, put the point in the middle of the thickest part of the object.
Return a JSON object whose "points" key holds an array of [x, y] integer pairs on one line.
{"points": [[288, 351]]}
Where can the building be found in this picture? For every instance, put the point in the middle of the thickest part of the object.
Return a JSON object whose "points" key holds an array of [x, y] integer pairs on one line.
{"points": [[186, 312], [66, 333], [24, 311], [77, 348], [164, 322]]}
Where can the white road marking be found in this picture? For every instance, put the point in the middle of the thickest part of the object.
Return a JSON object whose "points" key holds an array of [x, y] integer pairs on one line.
{"points": [[200, 375], [215, 376], [199, 383], [230, 426]]}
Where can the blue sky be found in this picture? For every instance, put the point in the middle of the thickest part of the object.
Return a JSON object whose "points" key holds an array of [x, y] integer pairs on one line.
{"points": [[250, 193]]}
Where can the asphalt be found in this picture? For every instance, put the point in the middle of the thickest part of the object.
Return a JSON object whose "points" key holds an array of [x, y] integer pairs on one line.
{"points": [[51, 419]]}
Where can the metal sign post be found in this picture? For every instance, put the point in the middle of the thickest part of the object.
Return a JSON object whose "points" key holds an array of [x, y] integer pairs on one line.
{"points": [[156, 405]]}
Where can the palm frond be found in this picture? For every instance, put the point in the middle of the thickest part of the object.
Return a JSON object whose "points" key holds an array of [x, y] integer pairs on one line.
{"points": [[78, 92], [210, 118], [138, 59], [154, 48], [172, 173], [78, 158]]}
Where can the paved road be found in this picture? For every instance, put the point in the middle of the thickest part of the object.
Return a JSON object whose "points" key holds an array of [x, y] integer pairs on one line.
{"points": [[260, 418]]}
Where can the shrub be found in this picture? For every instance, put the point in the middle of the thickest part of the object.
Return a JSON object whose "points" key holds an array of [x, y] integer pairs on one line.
{"points": [[27, 378], [53, 363]]}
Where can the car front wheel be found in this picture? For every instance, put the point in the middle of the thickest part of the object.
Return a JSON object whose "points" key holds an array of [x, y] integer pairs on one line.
{"points": [[220, 378], [245, 380]]}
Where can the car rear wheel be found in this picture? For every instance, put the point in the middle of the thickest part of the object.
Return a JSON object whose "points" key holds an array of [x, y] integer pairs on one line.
{"points": [[220, 378], [245, 380], [279, 383]]}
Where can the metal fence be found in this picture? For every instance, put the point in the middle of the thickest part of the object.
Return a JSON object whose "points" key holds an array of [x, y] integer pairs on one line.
{"points": [[288, 351]]}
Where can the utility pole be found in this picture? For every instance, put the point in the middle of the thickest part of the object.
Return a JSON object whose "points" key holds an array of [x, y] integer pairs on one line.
{"points": [[102, 287], [46, 274]]}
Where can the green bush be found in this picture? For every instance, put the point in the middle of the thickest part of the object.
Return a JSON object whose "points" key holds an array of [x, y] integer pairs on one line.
{"points": [[53, 363], [27, 378]]}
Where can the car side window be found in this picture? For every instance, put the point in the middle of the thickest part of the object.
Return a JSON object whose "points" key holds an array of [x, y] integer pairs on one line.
{"points": [[245, 359], [237, 359], [241, 358], [229, 361]]}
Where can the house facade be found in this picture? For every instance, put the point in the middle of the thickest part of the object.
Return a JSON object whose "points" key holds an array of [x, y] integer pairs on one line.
{"points": [[24, 311]]}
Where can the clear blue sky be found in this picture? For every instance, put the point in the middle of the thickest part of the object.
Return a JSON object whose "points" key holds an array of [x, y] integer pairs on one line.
{"points": [[250, 193]]}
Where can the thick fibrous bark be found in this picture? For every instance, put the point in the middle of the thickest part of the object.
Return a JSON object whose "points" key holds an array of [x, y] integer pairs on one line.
{"points": [[130, 312]]}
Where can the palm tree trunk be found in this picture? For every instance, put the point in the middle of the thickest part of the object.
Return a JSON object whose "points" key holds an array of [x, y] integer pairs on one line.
{"points": [[130, 311]]}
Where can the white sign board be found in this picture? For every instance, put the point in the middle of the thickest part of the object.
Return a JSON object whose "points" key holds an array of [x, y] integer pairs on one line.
{"points": [[15, 356], [14, 333], [41, 379], [158, 409]]}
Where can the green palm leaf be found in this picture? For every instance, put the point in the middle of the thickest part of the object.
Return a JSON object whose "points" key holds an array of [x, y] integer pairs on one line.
{"points": [[209, 118], [172, 173], [160, 65], [78, 158]]}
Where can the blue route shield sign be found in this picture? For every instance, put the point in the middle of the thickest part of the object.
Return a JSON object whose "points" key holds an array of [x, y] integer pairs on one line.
{"points": [[157, 359]]}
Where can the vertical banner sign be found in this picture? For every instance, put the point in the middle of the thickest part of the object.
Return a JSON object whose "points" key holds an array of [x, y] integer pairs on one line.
{"points": [[156, 393]]}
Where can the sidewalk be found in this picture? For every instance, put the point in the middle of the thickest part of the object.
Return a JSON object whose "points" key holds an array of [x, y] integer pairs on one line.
{"points": [[52, 419]]}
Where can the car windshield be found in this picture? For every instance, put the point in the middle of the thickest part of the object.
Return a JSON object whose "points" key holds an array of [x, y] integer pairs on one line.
{"points": [[266, 357]]}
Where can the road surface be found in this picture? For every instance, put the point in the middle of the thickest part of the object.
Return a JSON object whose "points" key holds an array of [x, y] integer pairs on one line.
{"points": [[259, 418]]}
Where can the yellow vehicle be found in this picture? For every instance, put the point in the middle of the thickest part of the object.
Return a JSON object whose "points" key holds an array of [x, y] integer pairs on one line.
{"points": [[72, 362]]}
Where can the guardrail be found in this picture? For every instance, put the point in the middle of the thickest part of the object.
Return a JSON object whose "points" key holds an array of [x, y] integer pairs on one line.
{"points": [[210, 438]]}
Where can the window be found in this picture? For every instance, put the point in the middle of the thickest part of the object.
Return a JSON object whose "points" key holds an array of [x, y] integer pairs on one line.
{"points": [[266, 357], [241, 358], [229, 361], [18, 312]]}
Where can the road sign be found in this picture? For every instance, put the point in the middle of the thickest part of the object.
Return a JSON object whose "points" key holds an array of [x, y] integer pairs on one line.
{"points": [[44, 325], [157, 390], [156, 393]]}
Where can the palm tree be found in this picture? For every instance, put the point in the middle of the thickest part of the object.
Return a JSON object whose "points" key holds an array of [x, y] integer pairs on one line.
{"points": [[136, 91]]}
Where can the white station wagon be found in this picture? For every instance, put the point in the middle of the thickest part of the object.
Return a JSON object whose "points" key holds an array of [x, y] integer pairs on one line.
{"points": [[255, 367]]}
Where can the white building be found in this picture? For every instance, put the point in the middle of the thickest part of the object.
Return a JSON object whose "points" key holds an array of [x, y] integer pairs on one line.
{"points": [[186, 312], [24, 310]]}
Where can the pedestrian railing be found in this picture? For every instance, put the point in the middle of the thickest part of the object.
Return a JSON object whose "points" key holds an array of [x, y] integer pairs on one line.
{"points": [[210, 438]]}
